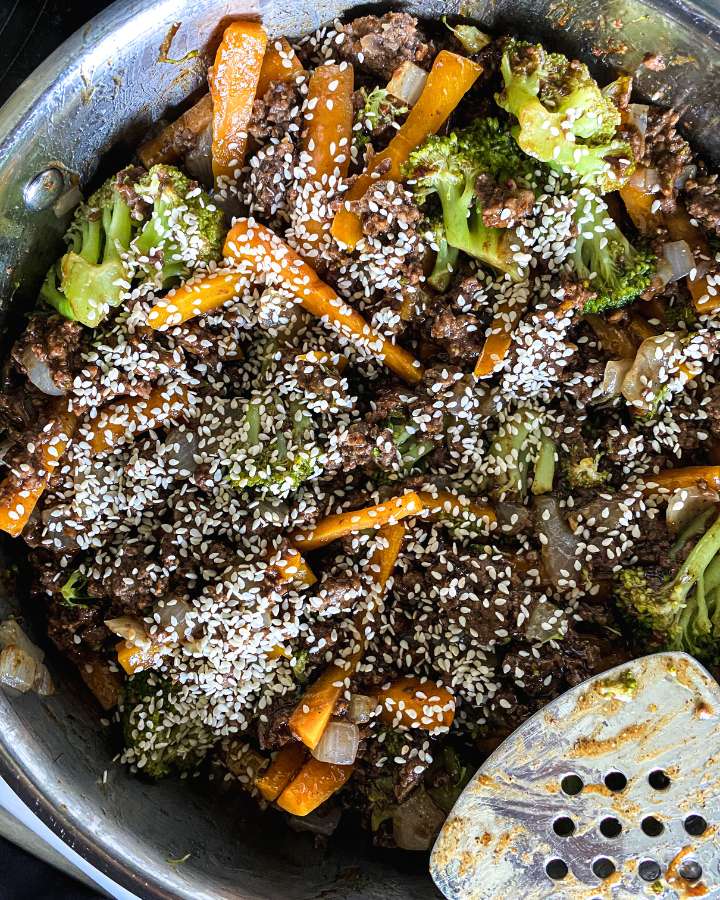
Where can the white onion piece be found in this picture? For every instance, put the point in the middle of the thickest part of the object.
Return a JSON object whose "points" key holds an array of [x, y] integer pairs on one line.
{"points": [[12, 634], [546, 622], [677, 261], [38, 372], [686, 504], [361, 708], [639, 116], [181, 448], [339, 744], [416, 822], [646, 180], [688, 172], [171, 616], [17, 669], [131, 629], [652, 355], [559, 544], [407, 82], [43, 684], [615, 372], [198, 160]]}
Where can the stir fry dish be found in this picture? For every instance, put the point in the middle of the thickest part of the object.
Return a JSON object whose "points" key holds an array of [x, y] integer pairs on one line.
{"points": [[371, 406]]}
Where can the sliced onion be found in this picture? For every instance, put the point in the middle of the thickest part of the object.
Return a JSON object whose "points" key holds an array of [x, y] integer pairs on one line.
{"points": [[677, 261], [638, 114], [686, 504], [652, 355], [559, 544], [545, 623], [472, 39], [645, 180], [361, 708], [43, 684], [198, 160], [339, 743], [171, 616], [38, 372], [131, 629], [12, 634], [689, 171], [416, 822], [17, 669], [615, 372], [407, 82]]}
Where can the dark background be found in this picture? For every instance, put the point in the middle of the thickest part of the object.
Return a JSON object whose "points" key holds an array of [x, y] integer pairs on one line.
{"points": [[29, 31]]}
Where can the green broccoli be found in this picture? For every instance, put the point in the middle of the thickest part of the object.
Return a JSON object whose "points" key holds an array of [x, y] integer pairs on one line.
{"points": [[160, 736], [73, 591], [184, 229], [94, 274], [448, 166], [470, 38], [679, 609], [379, 111], [445, 260], [583, 471], [605, 260], [563, 117], [519, 447]]}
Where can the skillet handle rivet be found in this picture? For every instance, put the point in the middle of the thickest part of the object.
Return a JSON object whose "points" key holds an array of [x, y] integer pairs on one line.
{"points": [[44, 189]]}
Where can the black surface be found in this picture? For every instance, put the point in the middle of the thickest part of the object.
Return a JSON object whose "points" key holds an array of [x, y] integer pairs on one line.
{"points": [[29, 31]]}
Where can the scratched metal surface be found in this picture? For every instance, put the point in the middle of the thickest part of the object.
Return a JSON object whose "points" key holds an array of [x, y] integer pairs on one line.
{"points": [[657, 715], [97, 94]]}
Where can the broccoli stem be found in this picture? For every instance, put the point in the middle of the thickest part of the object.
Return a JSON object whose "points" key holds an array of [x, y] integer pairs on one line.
{"points": [[91, 241], [712, 575], [252, 417], [445, 266], [544, 467], [693, 528], [119, 231], [697, 561]]}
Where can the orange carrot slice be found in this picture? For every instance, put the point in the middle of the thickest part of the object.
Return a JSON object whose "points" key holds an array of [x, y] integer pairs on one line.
{"points": [[638, 204], [293, 567], [688, 476], [172, 141], [334, 527], [280, 63], [445, 502], [313, 785], [251, 243], [286, 764], [194, 298], [121, 421], [328, 122], [450, 78], [497, 344], [415, 702], [134, 658], [20, 493], [233, 83]]}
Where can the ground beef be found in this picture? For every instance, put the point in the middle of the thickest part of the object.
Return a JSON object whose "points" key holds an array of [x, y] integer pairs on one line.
{"points": [[702, 199], [666, 151], [271, 173], [135, 581], [461, 336], [503, 205], [19, 406], [76, 629], [54, 340], [379, 44], [126, 183], [385, 206], [273, 728], [275, 113], [336, 594]]}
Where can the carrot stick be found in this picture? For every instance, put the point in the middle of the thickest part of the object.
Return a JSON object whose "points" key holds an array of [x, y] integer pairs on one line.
{"points": [[328, 122], [334, 527], [313, 785], [19, 493], [293, 567], [280, 63], [449, 80], [281, 771], [638, 204], [417, 703], [194, 298], [688, 476], [445, 502], [233, 82], [134, 658], [104, 682], [121, 421], [172, 141], [317, 704], [256, 244]]}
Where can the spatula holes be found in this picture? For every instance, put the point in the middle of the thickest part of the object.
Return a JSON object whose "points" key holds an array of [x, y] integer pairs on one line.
{"points": [[556, 869], [610, 827], [690, 870], [603, 867], [571, 785], [564, 826], [659, 780], [649, 870], [615, 782], [695, 825], [652, 827]]}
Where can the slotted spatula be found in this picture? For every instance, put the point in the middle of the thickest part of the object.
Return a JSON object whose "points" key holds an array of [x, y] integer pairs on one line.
{"points": [[612, 790]]}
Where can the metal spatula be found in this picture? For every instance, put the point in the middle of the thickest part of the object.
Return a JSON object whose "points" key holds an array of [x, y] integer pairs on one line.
{"points": [[612, 790]]}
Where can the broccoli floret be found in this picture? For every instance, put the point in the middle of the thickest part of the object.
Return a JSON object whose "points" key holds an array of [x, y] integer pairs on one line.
{"points": [[94, 275], [605, 260], [585, 472], [73, 591], [448, 166], [380, 110], [563, 117], [185, 229], [674, 610], [516, 450], [160, 736]]}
